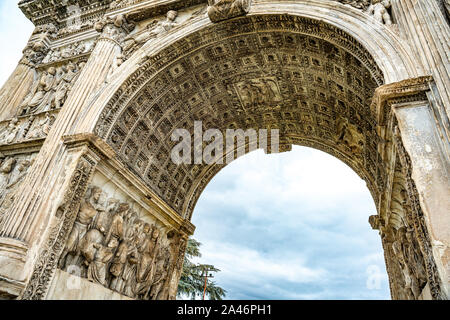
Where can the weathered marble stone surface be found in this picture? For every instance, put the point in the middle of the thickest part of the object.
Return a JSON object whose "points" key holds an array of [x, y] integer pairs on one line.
{"points": [[87, 183]]}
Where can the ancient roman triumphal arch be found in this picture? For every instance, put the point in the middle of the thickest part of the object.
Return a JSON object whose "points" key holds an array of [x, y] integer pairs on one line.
{"points": [[92, 205]]}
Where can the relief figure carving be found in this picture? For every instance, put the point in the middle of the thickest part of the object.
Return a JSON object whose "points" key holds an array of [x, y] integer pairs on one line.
{"points": [[151, 31], [88, 211], [220, 10], [40, 94], [51, 90], [97, 270], [115, 248], [10, 132], [379, 10], [350, 136]]}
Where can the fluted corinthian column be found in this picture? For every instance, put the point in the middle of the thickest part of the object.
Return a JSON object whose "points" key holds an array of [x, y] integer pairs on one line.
{"points": [[424, 25], [50, 178], [15, 89]]}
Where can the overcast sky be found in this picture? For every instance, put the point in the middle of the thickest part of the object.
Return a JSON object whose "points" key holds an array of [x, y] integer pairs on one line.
{"points": [[289, 226], [15, 31]]}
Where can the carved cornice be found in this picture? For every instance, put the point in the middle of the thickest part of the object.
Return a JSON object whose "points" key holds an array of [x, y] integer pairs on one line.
{"points": [[99, 146], [43, 11], [145, 10], [409, 90], [57, 12]]}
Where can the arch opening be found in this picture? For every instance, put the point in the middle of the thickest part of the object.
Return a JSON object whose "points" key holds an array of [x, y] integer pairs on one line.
{"points": [[266, 72], [291, 226], [310, 80]]}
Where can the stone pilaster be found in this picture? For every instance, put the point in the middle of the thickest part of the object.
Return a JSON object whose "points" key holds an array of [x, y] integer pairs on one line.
{"points": [[423, 157], [48, 181], [425, 27], [15, 89]]}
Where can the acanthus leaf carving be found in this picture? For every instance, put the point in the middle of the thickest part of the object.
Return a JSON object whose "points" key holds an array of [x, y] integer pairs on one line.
{"points": [[114, 28]]}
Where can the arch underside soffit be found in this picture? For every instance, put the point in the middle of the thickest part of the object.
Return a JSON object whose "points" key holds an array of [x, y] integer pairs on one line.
{"points": [[307, 78]]}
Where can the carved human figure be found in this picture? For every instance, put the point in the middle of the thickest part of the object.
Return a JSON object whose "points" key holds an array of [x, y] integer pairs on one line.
{"points": [[379, 10], [350, 136], [118, 265], [11, 131], [40, 95], [145, 268], [42, 128], [104, 218], [10, 180], [63, 86], [5, 171], [17, 177], [129, 272], [98, 268], [152, 30], [144, 236], [415, 262], [116, 229], [398, 249], [258, 91], [161, 272], [87, 248], [219, 10], [87, 212]]}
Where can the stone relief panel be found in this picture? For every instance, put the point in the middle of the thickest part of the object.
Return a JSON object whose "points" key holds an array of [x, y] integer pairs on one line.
{"points": [[25, 128], [309, 88], [405, 260], [379, 9], [150, 31], [219, 10], [258, 91], [13, 170], [37, 48], [69, 51], [50, 89], [117, 244]]}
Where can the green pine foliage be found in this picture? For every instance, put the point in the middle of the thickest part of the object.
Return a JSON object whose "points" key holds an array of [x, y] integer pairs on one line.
{"points": [[192, 282]]}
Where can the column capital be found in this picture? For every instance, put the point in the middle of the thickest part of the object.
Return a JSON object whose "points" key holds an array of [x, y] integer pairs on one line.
{"points": [[409, 90], [114, 28]]}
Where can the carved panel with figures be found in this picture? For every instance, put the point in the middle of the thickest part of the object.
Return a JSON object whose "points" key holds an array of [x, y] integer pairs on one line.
{"points": [[13, 170], [50, 90], [117, 244]]}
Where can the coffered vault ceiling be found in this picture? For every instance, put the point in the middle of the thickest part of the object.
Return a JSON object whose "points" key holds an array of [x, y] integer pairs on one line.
{"points": [[312, 81]]}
